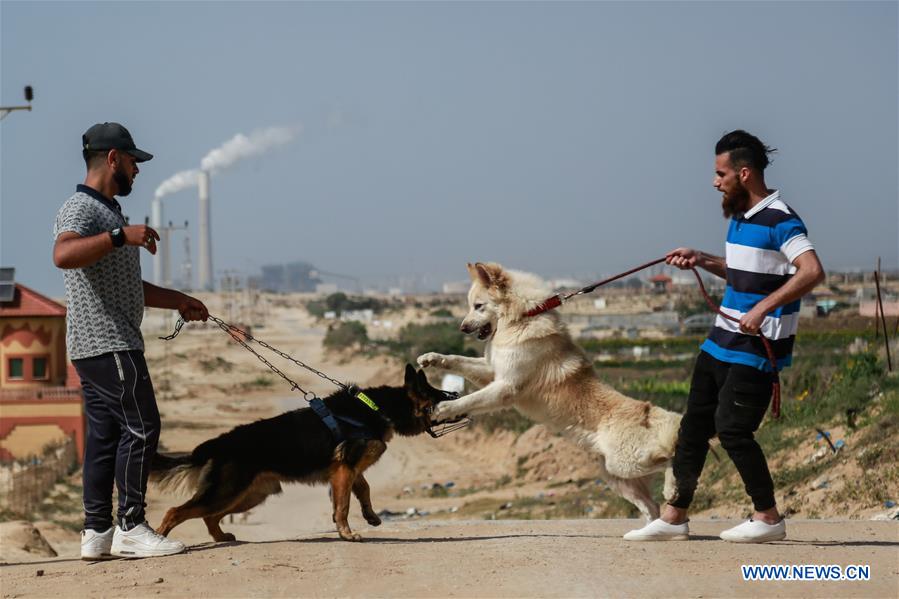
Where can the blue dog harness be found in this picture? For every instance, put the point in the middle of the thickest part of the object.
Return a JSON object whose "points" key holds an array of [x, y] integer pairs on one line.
{"points": [[344, 428]]}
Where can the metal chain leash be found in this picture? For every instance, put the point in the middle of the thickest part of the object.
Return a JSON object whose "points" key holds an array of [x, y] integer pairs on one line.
{"points": [[239, 335]]}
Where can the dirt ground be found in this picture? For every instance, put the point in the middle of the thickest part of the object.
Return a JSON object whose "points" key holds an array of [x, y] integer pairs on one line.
{"points": [[560, 558], [434, 541]]}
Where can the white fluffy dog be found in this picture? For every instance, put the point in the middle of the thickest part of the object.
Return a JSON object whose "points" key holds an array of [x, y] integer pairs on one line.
{"points": [[533, 365]]}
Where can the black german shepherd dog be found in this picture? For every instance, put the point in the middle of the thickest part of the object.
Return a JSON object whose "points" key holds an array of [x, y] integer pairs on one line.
{"points": [[239, 469]]}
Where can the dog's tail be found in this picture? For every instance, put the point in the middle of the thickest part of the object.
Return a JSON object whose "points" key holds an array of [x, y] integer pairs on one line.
{"points": [[669, 431], [176, 472]]}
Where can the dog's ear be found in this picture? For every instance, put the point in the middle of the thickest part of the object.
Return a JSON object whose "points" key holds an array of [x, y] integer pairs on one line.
{"points": [[422, 380], [409, 379], [491, 275], [483, 275], [418, 390], [472, 272]]}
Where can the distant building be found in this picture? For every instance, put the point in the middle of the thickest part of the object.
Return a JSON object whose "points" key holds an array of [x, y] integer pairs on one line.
{"points": [[660, 283], [868, 305], [589, 324], [456, 287], [287, 278], [326, 288], [871, 309], [698, 323], [684, 279], [560, 284], [40, 392], [366, 315], [453, 383]]}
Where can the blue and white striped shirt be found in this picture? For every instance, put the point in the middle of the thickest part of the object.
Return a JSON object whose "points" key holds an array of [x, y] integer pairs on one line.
{"points": [[761, 247]]}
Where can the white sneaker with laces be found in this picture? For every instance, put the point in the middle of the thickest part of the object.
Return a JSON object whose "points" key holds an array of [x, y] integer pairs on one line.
{"points": [[96, 545], [659, 530], [756, 531], [143, 541]]}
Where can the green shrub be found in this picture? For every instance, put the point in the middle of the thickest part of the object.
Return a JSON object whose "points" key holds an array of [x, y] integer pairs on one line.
{"points": [[670, 395], [217, 363], [346, 335], [645, 364], [340, 302], [850, 386], [695, 304], [668, 344], [506, 420], [416, 339]]}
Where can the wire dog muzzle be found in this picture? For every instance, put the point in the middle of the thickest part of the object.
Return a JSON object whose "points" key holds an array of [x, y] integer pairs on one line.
{"points": [[447, 426]]}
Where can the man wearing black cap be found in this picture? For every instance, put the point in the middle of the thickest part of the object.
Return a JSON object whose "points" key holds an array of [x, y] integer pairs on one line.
{"points": [[100, 257]]}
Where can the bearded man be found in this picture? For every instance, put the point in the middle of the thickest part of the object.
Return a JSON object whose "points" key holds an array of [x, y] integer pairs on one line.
{"points": [[769, 265], [99, 253]]}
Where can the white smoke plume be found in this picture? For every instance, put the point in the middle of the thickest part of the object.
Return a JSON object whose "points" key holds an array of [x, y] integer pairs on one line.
{"points": [[242, 146], [232, 151], [177, 182]]}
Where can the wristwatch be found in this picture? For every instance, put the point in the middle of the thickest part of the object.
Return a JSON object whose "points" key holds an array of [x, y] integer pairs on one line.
{"points": [[118, 237]]}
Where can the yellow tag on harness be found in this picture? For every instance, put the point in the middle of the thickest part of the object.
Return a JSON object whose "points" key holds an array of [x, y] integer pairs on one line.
{"points": [[367, 401]]}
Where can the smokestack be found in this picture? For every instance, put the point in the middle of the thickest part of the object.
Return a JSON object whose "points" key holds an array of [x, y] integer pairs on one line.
{"points": [[204, 259], [156, 223], [186, 274]]}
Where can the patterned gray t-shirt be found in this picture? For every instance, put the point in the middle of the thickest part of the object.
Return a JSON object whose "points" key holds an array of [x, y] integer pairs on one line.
{"points": [[105, 299]]}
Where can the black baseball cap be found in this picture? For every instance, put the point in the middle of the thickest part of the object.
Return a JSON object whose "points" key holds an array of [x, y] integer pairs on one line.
{"points": [[112, 136]]}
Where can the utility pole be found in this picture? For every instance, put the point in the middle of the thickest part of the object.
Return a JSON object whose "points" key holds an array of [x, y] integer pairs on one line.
{"points": [[231, 288], [29, 96], [186, 267], [162, 261], [166, 234]]}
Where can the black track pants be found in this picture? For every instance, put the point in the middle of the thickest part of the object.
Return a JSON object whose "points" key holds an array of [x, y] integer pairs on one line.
{"points": [[122, 435], [729, 400]]}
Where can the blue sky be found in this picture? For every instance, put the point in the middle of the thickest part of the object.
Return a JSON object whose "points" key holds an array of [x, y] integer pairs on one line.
{"points": [[561, 138]]}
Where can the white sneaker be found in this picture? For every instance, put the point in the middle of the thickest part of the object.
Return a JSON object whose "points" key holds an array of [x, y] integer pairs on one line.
{"points": [[756, 531], [143, 541], [96, 545], [659, 530]]}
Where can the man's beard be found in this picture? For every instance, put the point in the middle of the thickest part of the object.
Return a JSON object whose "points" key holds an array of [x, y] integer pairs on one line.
{"points": [[736, 202], [122, 182]]}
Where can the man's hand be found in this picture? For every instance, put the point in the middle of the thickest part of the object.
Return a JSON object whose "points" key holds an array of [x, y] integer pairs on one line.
{"points": [[141, 235], [71, 250], [683, 258], [189, 307], [687, 258], [192, 309], [751, 322]]}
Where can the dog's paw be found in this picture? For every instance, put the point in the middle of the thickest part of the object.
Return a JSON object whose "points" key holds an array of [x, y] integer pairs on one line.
{"points": [[446, 411], [353, 537], [226, 538], [372, 519], [432, 360]]}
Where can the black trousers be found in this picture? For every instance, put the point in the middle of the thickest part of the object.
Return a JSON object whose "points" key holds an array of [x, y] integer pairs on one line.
{"points": [[729, 400], [122, 436]]}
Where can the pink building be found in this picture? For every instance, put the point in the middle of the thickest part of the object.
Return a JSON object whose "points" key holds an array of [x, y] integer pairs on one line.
{"points": [[40, 392]]}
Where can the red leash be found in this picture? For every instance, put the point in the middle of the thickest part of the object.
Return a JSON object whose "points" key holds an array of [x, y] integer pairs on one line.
{"points": [[555, 301]]}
